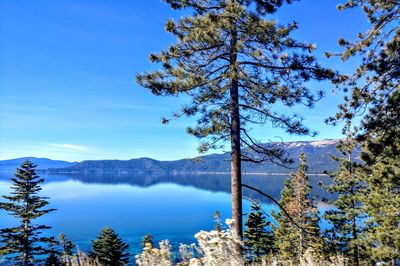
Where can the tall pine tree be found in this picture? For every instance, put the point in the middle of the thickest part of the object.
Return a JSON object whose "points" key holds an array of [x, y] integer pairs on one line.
{"points": [[375, 95], [25, 242], [108, 249], [236, 64], [346, 218], [382, 172], [294, 236]]}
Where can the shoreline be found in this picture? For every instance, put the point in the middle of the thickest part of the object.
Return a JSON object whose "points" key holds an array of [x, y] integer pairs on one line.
{"points": [[173, 172]]}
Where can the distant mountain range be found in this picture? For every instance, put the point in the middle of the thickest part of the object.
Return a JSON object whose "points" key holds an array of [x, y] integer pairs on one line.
{"points": [[318, 156], [42, 163]]}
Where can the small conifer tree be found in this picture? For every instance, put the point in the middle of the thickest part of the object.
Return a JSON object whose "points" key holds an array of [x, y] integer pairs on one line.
{"points": [[257, 240], [67, 247], [284, 232], [53, 260], [217, 220], [25, 242], [294, 236], [108, 249], [53, 257], [147, 241]]}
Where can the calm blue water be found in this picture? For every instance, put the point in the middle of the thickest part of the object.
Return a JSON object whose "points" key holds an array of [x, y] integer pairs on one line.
{"points": [[173, 207]]}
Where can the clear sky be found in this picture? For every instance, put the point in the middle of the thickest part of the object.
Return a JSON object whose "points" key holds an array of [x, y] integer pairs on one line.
{"points": [[67, 77]]}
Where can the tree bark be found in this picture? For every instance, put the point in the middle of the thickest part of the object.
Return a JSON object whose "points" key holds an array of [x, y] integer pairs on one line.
{"points": [[26, 245], [236, 177], [236, 171]]}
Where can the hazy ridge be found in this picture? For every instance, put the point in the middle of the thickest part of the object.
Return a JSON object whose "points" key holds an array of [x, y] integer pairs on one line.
{"points": [[318, 155]]}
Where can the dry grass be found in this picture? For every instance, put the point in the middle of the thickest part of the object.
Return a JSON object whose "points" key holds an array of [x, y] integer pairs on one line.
{"points": [[215, 248], [221, 249]]}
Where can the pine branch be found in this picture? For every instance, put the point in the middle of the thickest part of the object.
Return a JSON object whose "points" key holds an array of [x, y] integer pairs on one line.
{"points": [[277, 203]]}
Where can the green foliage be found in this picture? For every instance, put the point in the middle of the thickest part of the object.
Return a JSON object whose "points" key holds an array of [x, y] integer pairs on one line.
{"points": [[285, 233], [381, 152], [229, 48], [375, 96], [382, 205], [67, 247], [25, 242], [53, 260], [108, 249], [53, 257], [294, 236], [147, 241], [257, 240], [236, 66], [377, 77], [344, 235]]}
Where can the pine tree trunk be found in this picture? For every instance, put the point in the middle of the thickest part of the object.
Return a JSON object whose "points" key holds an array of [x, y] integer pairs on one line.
{"points": [[26, 254], [236, 178]]}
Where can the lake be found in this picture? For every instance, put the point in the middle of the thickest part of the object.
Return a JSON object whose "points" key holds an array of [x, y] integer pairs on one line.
{"points": [[168, 206]]}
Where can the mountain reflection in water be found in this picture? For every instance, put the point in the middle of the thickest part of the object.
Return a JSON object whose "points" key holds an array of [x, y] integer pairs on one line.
{"points": [[169, 206], [270, 184]]}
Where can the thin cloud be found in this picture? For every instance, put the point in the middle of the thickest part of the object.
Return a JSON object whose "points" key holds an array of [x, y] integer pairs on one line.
{"points": [[67, 146]]}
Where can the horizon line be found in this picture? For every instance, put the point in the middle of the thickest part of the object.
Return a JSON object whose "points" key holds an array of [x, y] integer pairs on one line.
{"points": [[144, 157]]}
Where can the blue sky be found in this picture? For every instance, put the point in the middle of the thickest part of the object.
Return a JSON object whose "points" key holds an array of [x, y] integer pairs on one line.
{"points": [[67, 86]]}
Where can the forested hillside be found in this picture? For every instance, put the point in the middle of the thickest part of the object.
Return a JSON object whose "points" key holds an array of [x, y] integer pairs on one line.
{"points": [[318, 152]]}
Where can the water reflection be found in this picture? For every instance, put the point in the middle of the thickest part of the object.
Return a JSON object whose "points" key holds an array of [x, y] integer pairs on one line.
{"points": [[270, 184], [169, 206]]}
